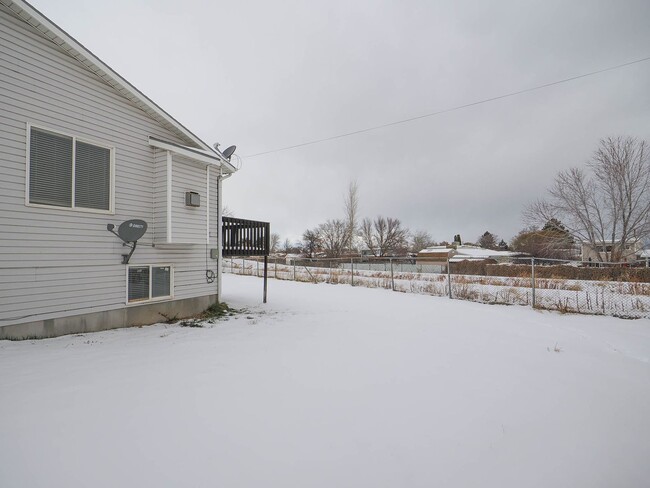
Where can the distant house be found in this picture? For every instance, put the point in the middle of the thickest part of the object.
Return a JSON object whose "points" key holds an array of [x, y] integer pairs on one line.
{"points": [[435, 255], [603, 251], [435, 258], [439, 255], [81, 148], [476, 253]]}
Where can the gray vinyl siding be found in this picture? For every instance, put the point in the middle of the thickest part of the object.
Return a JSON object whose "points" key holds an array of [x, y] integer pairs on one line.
{"points": [[214, 207], [159, 218], [57, 262], [188, 223]]}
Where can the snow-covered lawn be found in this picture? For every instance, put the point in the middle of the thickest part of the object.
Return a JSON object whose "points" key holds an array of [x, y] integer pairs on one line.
{"points": [[333, 386]]}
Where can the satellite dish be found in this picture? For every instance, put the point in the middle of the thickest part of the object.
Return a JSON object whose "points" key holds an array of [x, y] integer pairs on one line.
{"points": [[132, 230], [228, 152], [129, 232]]}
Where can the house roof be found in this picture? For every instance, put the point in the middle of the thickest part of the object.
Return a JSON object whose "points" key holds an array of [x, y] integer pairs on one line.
{"points": [[190, 152], [74, 48], [482, 253], [435, 250], [465, 253]]}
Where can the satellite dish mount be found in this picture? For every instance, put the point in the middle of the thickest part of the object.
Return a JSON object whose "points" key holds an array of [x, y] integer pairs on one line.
{"points": [[129, 232]]}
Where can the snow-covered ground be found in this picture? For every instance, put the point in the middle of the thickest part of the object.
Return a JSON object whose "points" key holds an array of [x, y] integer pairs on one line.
{"points": [[333, 386], [619, 299]]}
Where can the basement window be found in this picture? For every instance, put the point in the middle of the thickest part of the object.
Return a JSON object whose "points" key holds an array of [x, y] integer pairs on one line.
{"points": [[146, 283], [67, 172]]}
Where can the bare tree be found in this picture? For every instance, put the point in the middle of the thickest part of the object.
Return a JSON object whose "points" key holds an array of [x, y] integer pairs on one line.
{"points": [[351, 203], [421, 239], [275, 242], [286, 246], [607, 206], [384, 236], [334, 237], [312, 241], [368, 234]]}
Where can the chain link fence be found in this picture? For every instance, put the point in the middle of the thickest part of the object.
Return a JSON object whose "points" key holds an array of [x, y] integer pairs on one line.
{"points": [[621, 290]]}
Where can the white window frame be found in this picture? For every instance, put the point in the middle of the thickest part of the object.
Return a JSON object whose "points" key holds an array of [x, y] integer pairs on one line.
{"points": [[151, 299], [73, 208]]}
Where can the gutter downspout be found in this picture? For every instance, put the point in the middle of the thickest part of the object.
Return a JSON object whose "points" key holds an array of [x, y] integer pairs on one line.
{"points": [[220, 178]]}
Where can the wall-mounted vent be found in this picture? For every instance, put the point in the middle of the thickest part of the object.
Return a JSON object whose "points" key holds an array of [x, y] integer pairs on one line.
{"points": [[192, 199]]}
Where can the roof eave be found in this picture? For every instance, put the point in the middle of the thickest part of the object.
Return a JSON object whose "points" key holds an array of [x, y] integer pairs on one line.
{"points": [[194, 154], [75, 49]]}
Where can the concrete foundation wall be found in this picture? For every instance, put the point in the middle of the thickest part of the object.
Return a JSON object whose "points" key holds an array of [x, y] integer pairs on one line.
{"points": [[112, 319]]}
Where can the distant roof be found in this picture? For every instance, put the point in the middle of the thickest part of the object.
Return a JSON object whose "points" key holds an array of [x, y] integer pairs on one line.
{"points": [[74, 48], [479, 252]]}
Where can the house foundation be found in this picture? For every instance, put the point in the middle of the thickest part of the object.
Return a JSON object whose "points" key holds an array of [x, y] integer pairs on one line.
{"points": [[131, 316]]}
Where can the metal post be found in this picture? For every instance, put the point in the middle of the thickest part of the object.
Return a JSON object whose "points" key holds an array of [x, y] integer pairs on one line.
{"points": [[258, 268], [243, 266], [448, 278], [532, 280], [329, 280], [392, 276], [294, 270], [266, 275], [275, 268], [352, 271]]}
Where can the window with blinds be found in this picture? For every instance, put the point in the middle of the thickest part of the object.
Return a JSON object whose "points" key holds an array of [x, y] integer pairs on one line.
{"points": [[66, 172], [138, 283], [149, 283], [160, 281]]}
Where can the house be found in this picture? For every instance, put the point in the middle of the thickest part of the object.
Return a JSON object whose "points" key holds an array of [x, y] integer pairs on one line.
{"points": [[476, 253], [81, 149], [438, 256], [603, 251], [435, 255], [435, 258]]}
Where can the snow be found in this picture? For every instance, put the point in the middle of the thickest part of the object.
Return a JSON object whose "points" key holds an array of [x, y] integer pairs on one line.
{"points": [[329, 385], [469, 253]]}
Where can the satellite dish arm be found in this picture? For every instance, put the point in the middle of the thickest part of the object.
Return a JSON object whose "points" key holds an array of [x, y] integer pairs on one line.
{"points": [[126, 257]]}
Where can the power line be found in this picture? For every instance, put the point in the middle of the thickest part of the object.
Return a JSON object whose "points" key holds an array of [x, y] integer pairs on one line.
{"points": [[451, 109]]}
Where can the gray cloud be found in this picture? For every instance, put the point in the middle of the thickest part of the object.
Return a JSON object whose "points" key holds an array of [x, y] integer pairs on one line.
{"points": [[265, 75]]}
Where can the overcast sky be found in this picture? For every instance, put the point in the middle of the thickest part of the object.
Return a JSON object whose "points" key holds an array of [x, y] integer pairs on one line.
{"points": [[266, 75]]}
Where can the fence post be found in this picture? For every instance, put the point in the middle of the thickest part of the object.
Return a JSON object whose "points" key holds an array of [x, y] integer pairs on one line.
{"points": [[266, 275], [329, 279], [532, 280], [243, 266], [294, 270], [258, 270], [275, 268], [449, 278], [392, 276], [352, 271]]}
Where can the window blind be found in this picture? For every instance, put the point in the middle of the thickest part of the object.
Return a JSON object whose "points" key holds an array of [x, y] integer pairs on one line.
{"points": [[50, 169], [92, 176], [138, 283]]}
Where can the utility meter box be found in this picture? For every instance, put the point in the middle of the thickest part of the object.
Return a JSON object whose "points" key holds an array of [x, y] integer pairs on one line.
{"points": [[192, 199]]}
